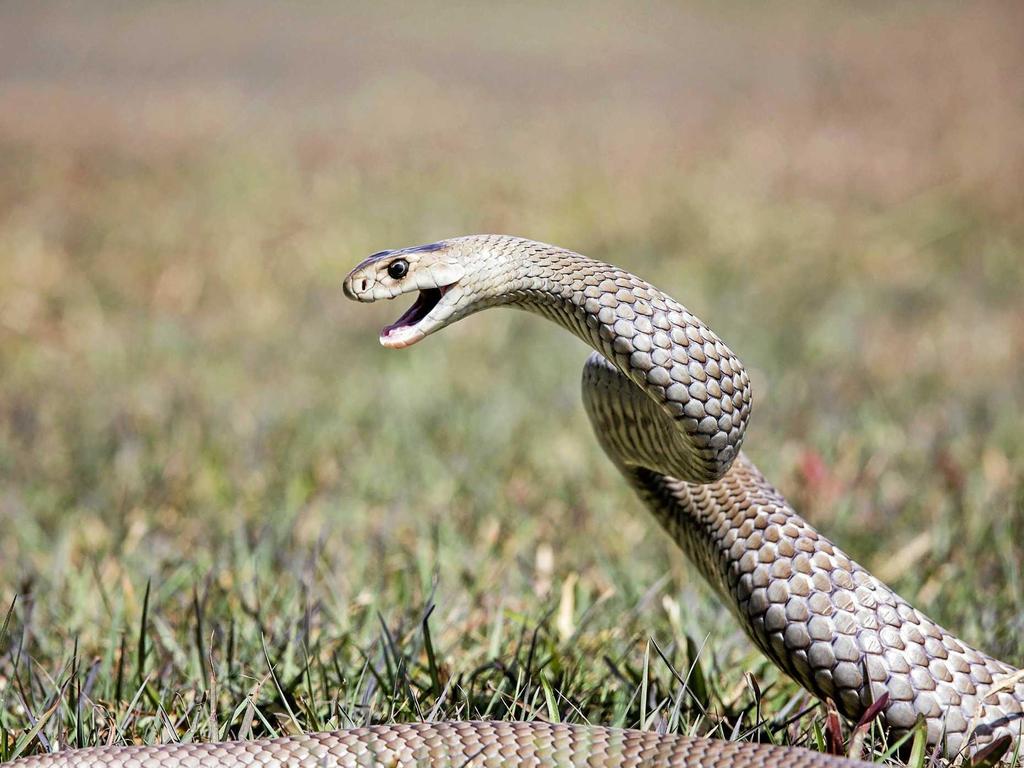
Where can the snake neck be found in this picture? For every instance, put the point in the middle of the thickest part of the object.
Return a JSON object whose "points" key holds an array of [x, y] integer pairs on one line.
{"points": [[681, 366]]}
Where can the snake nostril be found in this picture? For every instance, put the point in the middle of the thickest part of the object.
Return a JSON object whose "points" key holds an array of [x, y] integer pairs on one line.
{"points": [[362, 284]]}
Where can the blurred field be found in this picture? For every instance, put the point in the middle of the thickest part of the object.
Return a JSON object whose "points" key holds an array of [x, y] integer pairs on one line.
{"points": [[209, 468]]}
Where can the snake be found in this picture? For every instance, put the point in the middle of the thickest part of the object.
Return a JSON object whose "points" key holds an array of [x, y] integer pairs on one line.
{"points": [[669, 403]]}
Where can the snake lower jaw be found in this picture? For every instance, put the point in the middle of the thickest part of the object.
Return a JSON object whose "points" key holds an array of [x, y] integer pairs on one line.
{"points": [[400, 338]]}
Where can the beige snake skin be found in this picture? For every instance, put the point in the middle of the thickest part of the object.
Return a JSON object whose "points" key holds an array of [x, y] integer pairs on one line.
{"points": [[452, 745], [669, 403]]}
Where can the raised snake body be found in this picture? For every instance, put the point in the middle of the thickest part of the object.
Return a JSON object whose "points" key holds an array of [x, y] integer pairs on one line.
{"points": [[669, 403]]}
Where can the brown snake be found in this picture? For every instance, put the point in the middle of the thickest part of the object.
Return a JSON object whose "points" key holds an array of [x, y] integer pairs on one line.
{"points": [[669, 403]]}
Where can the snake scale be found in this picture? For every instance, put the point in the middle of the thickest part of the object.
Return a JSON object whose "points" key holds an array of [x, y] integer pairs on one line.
{"points": [[669, 403]]}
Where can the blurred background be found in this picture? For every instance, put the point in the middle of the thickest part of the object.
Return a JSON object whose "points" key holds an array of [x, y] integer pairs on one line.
{"points": [[209, 468]]}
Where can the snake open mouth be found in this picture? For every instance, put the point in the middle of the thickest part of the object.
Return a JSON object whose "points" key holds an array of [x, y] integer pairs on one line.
{"points": [[403, 331]]}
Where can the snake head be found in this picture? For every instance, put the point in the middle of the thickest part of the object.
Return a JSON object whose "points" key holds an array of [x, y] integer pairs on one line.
{"points": [[433, 270]]}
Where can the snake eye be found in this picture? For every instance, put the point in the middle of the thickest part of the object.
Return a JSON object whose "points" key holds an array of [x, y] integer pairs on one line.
{"points": [[398, 269]]}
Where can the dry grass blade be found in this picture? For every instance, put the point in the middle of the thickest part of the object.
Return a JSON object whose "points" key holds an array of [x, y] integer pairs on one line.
{"points": [[860, 730], [834, 742]]}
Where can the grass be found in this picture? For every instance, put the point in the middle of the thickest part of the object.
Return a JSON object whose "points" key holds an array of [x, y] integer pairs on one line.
{"points": [[227, 512]]}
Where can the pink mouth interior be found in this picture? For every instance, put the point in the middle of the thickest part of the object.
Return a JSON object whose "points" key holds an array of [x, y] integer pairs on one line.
{"points": [[426, 301]]}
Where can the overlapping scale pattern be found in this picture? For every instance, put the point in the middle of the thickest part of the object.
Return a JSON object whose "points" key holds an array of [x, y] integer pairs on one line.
{"points": [[453, 745]]}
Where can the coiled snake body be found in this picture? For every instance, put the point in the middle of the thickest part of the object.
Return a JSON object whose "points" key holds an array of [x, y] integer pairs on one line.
{"points": [[669, 403]]}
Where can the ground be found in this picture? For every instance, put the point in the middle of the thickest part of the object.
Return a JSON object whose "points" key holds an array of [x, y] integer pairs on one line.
{"points": [[227, 512]]}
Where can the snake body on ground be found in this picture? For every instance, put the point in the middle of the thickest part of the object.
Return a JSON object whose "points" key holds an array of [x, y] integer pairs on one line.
{"points": [[669, 403]]}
